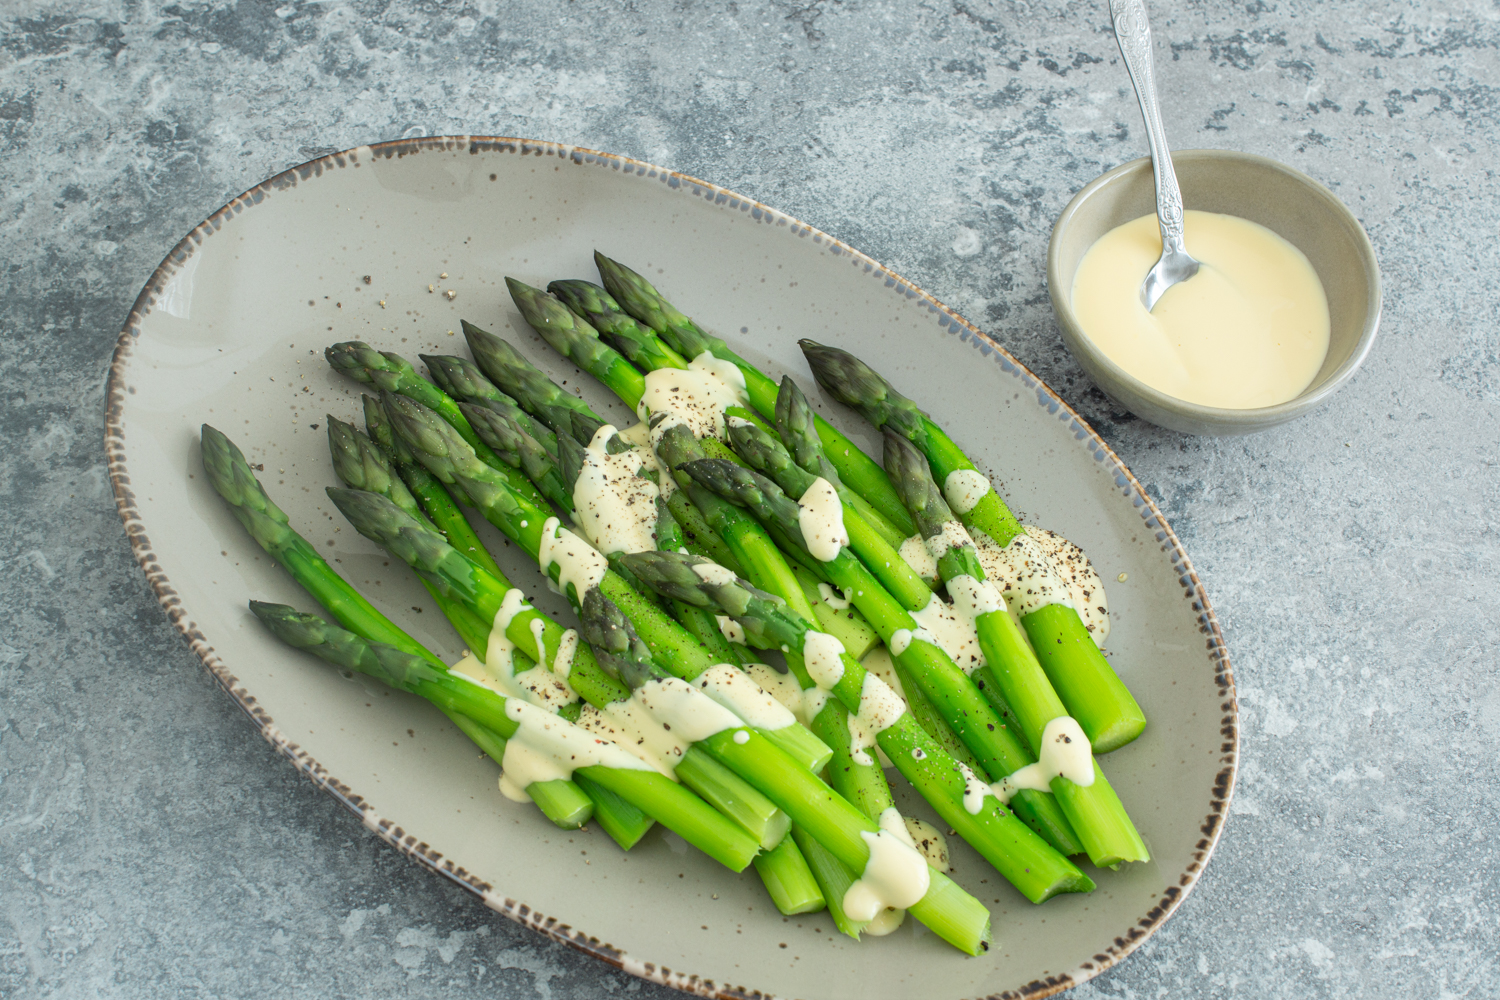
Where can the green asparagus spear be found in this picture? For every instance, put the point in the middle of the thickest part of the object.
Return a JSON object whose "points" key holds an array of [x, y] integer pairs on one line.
{"points": [[461, 379], [764, 453], [616, 327], [572, 337], [1027, 861], [361, 464], [797, 424], [856, 469], [393, 373], [1011, 669], [232, 478], [677, 808], [518, 449], [436, 502], [528, 385], [1088, 685]]}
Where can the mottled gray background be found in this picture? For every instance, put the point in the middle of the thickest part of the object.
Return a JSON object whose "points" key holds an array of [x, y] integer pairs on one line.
{"points": [[152, 846]]}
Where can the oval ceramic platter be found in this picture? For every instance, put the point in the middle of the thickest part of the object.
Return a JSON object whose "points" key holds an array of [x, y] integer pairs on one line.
{"points": [[365, 245]]}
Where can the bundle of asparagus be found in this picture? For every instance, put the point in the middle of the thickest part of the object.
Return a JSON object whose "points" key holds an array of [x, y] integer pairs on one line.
{"points": [[730, 530]]}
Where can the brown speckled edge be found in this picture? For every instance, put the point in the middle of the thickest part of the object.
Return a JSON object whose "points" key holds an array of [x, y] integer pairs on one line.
{"points": [[1125, 942]]}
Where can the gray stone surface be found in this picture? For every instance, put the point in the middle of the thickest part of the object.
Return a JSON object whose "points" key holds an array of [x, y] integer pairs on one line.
{"points": [[151, 846]]}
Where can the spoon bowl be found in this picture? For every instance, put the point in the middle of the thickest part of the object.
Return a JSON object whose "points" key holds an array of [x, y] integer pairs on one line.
{"points": [[1175, 266]]}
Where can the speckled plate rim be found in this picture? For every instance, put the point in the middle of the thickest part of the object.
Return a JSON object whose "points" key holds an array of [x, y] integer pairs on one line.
{"points": [[1129, 937]]}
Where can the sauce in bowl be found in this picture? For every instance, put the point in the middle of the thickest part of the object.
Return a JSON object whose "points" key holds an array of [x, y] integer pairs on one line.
{"points": [[1249, 330]]}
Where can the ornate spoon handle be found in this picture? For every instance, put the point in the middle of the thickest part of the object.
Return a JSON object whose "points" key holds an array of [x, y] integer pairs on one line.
{"points": [[1133, 33]]}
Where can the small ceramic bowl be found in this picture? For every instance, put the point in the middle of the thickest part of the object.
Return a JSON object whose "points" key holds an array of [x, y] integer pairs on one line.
{"points": [[1272, 194]]}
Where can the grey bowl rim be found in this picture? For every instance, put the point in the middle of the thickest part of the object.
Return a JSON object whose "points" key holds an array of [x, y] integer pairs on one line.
{"points": [[1249, 419]]}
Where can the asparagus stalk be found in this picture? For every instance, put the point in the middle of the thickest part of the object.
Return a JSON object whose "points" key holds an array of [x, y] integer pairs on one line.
{"points": [[970, 715], [393, 373], [361, 464], [436, 502], [1011, 670], [856, 469], [748, 539], [537, 394], [572, 337], [767, 455], [697, 535], [616, 327], [1087, 684], [384, 523], [843, 622], [575, 339], [678, 808], [461, 379], [835, 823], [518, 449], [1026, 860], [506, 429], [233, 480], [797, 424], [931, 720], [764, 453]]}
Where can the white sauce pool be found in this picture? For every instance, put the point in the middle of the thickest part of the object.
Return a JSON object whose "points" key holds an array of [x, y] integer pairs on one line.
{"points": [[821, 518], [547, 747], [952, 536], [696, 396], [684, 711], [730, 629], [823, 655], [536, 685], [964, 488], [613, 504], [1062, 569], [1024, 574], [832, 596], [1065, 754], [896, 875], [878, 662], [879, 708], [734, 689], [627, 724], [914, 553], [951, 629], [930, 843], [577, 562]]}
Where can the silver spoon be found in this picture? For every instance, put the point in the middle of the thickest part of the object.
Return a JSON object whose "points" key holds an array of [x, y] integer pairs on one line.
{"points": [[1176, 265]]}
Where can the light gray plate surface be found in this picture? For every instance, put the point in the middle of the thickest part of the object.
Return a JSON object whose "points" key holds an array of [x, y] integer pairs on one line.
{"points": [[230, 330]]}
